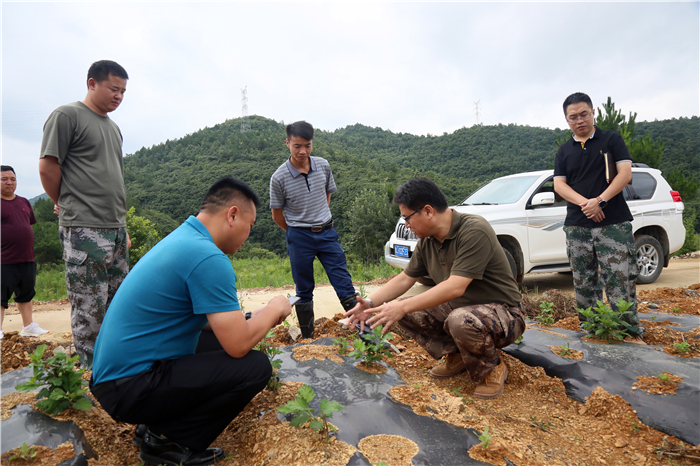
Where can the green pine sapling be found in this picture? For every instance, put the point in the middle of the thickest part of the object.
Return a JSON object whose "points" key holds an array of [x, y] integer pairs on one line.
{"points": [[62, 384], [303, 413]]}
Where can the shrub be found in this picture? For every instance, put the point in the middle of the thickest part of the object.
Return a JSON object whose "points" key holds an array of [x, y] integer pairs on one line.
{"points": [[605, 323]]}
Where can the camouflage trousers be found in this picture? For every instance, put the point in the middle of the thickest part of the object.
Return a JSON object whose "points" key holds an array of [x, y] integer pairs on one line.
{"points": [[476, 332], [610, 248], [97, 260]]}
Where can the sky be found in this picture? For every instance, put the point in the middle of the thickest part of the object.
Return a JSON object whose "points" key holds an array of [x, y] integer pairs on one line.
{"points": [[419, 68]]}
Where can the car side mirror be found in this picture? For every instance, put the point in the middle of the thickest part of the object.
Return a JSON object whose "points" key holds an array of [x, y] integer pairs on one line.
{"points": [[543, 199]]}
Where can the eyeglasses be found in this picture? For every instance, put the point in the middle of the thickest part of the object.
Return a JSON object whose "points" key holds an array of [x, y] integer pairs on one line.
{"points": [[581, 116], [405, 219]]}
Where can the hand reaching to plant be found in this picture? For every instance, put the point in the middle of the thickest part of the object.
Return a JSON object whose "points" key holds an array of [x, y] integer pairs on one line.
{"points": [[387, 314], [360, 313]]}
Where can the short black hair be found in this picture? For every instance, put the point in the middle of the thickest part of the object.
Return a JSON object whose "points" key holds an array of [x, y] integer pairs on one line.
{"points": [[226, 190], [300, 129], [100, 70], [416, 193], [575, 98], [7, 168]]}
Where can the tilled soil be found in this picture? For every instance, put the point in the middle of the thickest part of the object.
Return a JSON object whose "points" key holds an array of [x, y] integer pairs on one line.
{"points": [[532, 423]]}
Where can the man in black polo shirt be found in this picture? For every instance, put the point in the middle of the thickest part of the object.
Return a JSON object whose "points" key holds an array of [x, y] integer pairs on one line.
{"points": [[598, 222]]}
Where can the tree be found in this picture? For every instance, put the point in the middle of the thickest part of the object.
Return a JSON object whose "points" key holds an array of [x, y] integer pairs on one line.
{"points": [[143, 236], [372, 219], [642, 148], [47, 245]]}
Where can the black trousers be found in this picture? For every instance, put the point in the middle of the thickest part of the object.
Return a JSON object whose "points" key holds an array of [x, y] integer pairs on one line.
{"points": [[190, 400]]}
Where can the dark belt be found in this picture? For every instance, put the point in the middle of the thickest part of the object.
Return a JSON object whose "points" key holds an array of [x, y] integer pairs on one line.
{"points": [[101, 389], [317, 228]]}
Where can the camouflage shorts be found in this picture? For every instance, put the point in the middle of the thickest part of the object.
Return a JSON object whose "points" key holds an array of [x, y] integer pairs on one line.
{"points": [[611, 248], [476, 332], [97, 260]]}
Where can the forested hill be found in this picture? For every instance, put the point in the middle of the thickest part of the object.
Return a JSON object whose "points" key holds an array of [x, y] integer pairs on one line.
{"points": [[172, 177]]}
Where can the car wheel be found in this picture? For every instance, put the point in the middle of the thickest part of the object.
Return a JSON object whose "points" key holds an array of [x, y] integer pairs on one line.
{"points": [[649, 258], [427, 281], [511, 262]]}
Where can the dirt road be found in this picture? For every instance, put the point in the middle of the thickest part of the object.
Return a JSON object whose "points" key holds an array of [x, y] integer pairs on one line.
{"points": [[55, 316]]}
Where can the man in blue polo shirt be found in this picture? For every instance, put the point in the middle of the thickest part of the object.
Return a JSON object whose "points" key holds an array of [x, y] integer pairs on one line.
{"points": [[174, 353], [300, 197]]}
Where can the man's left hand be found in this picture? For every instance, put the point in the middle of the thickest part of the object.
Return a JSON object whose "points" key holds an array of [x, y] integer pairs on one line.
{"points": [[590, 208], [387, 315]]}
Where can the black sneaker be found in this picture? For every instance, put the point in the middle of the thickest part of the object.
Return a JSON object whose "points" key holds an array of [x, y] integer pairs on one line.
{"points": [[156, 450], [138, 434]]}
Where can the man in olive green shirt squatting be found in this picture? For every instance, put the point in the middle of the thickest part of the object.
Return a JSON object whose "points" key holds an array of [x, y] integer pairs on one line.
{"points": [[82, 171], [472, 312]]}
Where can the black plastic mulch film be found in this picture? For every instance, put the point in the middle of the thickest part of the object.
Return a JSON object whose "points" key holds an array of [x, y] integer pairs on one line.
{"points": [[371, 411]]}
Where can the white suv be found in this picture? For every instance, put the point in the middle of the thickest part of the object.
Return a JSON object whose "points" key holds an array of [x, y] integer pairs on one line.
{"points": [[528, 217]]}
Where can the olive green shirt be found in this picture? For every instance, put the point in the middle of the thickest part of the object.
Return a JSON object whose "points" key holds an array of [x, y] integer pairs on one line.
{"points": [[88, 147], [470, 250]]}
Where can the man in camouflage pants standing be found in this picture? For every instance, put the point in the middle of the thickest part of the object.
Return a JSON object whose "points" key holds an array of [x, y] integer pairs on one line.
{"points": [[82, 171], [598, 221], [472, 312]]}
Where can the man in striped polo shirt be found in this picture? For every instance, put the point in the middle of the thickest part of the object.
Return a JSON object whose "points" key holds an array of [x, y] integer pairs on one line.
{"points": [[300, 197]]}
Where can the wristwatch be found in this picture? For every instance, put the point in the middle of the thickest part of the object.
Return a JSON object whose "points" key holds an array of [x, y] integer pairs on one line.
{"points": [[371, 303], [248, 315], [602, 203]]}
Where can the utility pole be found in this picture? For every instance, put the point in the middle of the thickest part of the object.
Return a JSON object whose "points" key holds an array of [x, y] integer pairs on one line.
{"points": [[476, 111], [245, 123]]}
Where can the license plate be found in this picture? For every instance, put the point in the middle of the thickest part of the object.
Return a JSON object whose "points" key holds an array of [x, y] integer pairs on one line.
{"points": [[401, 251]]}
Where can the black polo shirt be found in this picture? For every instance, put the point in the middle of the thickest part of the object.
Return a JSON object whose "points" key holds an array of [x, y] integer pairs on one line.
{"points": [[584, 169]]}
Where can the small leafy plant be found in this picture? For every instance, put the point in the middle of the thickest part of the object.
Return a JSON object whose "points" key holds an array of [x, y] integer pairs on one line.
{"points": [[682, 347], [519, 340], [664, 377], [25, 452], [65, 384], [676, 310], [605, 323], [372, 352], [546, 315], [303, 413], [542, 425], [564, 350], [271, 351], [485, 438], [342, 344]]}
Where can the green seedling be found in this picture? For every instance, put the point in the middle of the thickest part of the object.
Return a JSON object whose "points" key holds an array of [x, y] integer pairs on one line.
{"points": [[62, 384], [635, 425], [372, 352], [653, 318], [564, 350], [519, 340], [342, 344], [303, 413], [362, 290], [25, 452], [683, 347], [676, 310], [605, 323], [271, 351], [542, 425], [663, 377], [485, 438], [546, 315]]}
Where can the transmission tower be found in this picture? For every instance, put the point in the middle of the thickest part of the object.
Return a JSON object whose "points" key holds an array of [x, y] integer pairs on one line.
{"points": [[476, 111], [245, 123]]}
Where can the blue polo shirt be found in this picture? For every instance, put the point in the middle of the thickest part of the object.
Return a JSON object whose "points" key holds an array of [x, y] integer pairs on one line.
{"points": [[160, 308]]}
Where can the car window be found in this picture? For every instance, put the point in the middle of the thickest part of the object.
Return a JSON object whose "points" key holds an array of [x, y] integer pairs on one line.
{"points": [[501, 191], [548, 187], [642, 187]]}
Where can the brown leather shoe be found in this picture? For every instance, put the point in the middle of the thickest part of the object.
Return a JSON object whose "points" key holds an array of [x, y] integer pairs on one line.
{"points": [[492, 387], [453, 365]]}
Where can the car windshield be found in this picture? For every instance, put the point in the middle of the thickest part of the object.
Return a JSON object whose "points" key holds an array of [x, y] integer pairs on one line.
{"points": [[501, 191]]}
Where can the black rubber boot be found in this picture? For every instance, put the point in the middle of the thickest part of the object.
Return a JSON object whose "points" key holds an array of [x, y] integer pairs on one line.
{"points": [[305, 314], [349, 302]]}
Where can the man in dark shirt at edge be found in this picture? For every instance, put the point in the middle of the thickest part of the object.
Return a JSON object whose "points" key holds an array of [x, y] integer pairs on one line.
{"points": [[598, 221]]}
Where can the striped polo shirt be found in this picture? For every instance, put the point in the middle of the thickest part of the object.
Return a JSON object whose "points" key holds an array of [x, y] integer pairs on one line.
{"points": [[303, 197]]}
